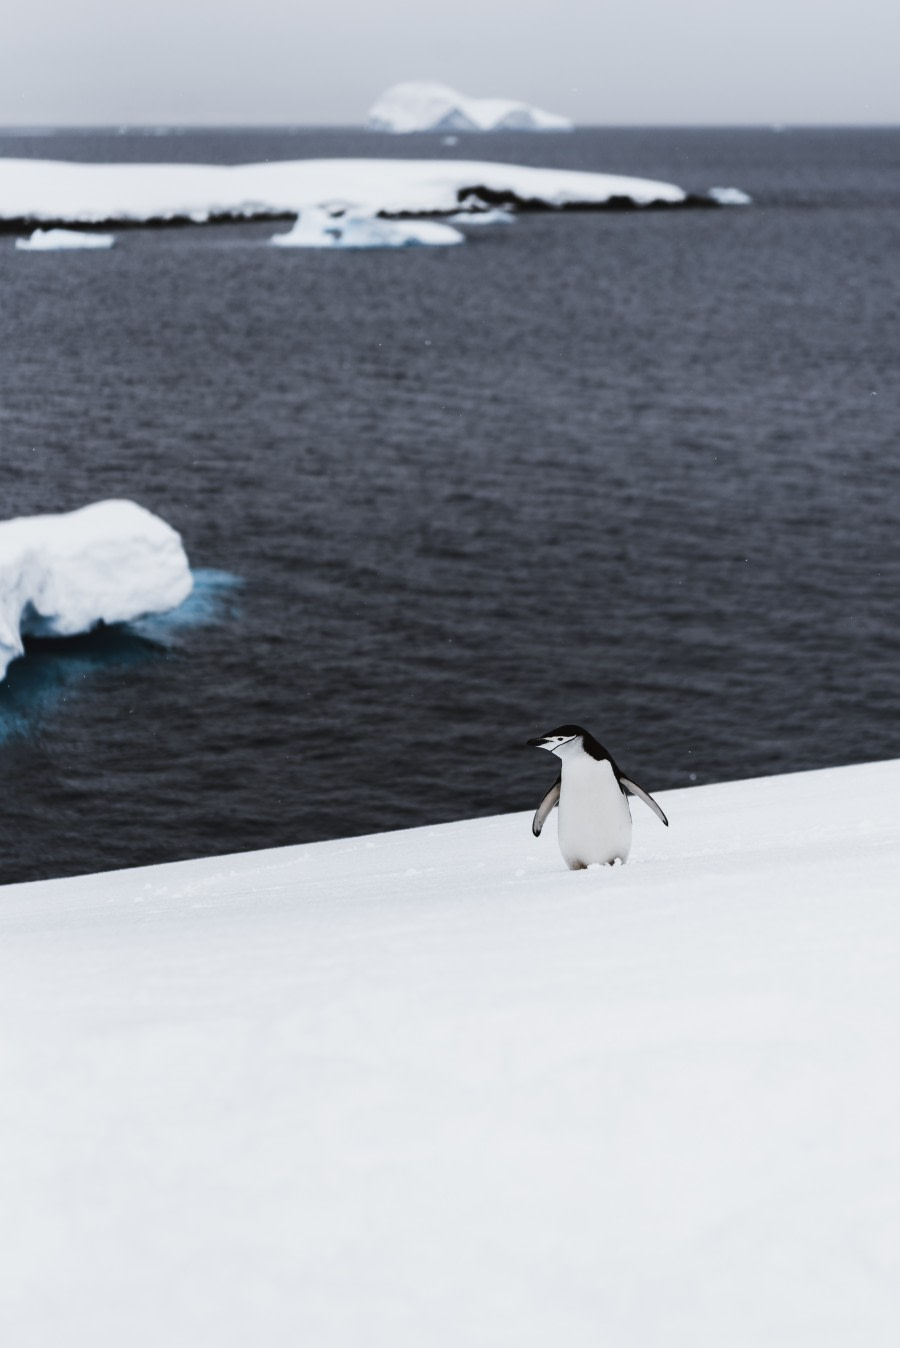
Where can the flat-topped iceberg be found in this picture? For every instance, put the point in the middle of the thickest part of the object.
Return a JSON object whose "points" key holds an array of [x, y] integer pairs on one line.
{"points": [[47, 191], [55, 240], [61, 575], [424, 106], [316, 228], [729, 196]]}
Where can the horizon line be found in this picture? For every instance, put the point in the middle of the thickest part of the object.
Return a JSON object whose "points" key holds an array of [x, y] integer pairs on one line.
{"points": [[120, 128]]}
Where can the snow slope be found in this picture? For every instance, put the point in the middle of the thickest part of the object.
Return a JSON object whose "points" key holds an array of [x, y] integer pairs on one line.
{"points": [[45, 190], [106, 563], [425, 106], [430, 1088]]}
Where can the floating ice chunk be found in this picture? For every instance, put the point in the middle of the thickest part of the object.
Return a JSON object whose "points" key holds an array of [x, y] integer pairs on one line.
{"points": [[61, 575], [215, 598], [423, 106], [489, 217], [53, 240], [729, 196], [355, 229]]}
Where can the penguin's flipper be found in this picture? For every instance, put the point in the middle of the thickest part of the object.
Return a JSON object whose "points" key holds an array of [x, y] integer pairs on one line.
{"points": [[546, 805], [647, 799]]}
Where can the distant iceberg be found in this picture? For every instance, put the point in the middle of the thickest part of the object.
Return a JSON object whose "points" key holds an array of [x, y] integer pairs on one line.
{"points": [[52, 240], [423, 106], [45, 192], [497, 216], [61, 575], [317, 228], [729, 196]]}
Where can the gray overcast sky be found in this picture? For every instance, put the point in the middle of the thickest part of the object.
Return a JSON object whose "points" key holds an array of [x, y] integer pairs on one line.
{"points": [[269, 61]]}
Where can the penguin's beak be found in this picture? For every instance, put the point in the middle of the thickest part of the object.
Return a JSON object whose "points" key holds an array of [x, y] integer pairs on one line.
{"points": [[539, 743]]}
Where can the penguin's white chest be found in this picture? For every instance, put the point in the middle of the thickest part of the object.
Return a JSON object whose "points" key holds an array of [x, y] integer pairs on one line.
{"points": [[594, 818]]}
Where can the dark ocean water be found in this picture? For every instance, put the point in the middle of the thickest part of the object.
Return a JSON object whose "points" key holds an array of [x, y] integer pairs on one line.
{"points": [[639, 471]]}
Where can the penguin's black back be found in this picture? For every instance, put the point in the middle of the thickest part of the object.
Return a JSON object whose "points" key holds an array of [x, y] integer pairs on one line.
{"points": [[591, 746]]}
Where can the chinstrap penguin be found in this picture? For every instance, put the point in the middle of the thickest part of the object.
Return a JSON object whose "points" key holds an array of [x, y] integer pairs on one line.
{"points": [[592, 794]]}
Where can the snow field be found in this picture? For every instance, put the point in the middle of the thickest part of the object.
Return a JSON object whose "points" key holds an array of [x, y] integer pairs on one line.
{"points": [[429, 1087]]}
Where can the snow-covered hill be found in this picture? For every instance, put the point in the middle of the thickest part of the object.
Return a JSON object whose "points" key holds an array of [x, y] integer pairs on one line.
{"points": [[430, 1088], [42, 191]]}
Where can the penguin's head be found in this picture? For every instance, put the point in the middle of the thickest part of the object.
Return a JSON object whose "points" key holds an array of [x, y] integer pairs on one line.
{"points": [[560, 741]]}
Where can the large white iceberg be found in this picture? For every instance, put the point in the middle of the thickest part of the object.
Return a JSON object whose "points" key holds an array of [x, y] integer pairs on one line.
{"points": [[61, 575], [424, 106], [50, 191], [55, 240], [316, 228]]}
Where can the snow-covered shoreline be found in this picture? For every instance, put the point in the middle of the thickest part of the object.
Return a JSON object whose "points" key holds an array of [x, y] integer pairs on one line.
{"points": [[431, 1087], [34, 191]]}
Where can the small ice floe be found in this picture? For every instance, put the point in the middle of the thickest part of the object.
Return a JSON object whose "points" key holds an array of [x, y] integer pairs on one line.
{"points": [[63, 575], [317, 228], [729, 196], [54, 240], [494, 216]]}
